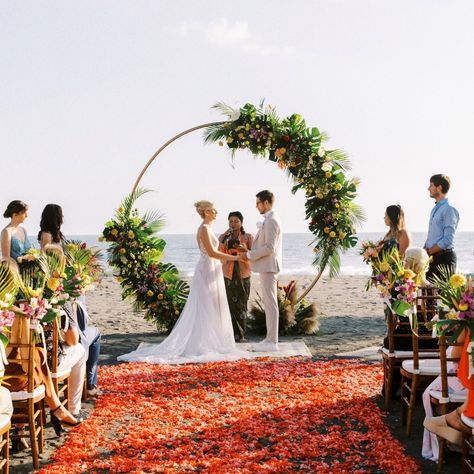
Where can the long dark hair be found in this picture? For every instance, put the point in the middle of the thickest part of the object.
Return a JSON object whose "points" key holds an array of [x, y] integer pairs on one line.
{"points": [[51, 221], [15, 207], [396, 217]]}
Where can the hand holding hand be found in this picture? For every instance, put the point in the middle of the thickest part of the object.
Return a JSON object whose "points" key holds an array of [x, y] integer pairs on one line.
{"points": [[242, 248]]}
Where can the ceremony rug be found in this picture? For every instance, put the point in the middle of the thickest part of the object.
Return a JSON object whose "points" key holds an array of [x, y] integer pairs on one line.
{"points": [[249, 416]]}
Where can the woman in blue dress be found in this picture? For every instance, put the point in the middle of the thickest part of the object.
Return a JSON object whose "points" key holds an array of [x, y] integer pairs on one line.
{"points": [[15, 243]]}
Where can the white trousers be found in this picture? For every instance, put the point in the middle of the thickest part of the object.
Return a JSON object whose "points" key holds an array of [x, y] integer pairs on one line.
{"points": [[270, 302], [75, 359]]}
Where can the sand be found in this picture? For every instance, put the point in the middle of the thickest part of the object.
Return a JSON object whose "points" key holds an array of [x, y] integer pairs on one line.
{"points": [[351, 319]]}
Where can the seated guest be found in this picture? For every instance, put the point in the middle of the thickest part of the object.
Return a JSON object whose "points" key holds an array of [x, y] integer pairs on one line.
{"points": [[42, 375], [72, 355], [90, 339]]}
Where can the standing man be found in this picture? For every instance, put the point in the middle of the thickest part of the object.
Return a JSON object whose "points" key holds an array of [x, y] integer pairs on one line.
{"points": [[444, 220], [265, 258]]}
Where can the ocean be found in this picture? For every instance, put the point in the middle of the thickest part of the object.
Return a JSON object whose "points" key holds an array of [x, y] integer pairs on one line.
{"points": [[182, 251]]}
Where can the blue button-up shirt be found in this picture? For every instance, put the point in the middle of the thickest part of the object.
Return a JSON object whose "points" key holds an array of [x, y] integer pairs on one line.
{"points": [[444, 220]]}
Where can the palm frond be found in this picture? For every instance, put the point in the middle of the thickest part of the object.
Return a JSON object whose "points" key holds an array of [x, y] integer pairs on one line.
{"points": [[8, 281], [341, 158], [357, 215], [213, 133], [130, 200], [224, 109]]}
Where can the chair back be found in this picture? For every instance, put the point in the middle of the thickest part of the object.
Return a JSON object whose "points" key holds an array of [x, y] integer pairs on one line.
{"points": [[422, 332], [449, 352]]}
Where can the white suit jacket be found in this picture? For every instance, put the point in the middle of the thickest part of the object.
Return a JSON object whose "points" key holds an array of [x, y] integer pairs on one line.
{"points": [[266, 253]]}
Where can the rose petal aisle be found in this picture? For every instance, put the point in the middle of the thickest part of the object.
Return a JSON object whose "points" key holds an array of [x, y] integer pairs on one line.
{"points": [[247, 416]]}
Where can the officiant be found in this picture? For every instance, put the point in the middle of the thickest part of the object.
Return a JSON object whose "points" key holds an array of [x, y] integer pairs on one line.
{"points": [[236, 274]]}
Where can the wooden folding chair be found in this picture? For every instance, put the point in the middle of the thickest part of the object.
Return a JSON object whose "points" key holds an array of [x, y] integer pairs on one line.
{"points": [[417, 372], [28, 404]]}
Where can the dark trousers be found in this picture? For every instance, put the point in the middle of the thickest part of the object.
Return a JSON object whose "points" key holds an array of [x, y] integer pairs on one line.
{"points": [[440, 260]]}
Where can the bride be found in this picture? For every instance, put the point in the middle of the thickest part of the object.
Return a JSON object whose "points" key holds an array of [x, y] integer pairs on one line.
{"points": [[204, 331]]}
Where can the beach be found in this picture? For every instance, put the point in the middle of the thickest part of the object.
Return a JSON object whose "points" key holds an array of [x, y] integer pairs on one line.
{"points": [[351, 319]]}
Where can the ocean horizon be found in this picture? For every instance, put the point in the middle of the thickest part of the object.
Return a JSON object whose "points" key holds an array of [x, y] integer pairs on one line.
{"points": [[182, 251]]}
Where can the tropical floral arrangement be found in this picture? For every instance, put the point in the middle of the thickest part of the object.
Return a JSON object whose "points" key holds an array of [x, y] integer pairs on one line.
{"points": [[395, 281], [295, 317], [8, 291], [300, 151], [456, 310], [135, 254], [370, 250]]}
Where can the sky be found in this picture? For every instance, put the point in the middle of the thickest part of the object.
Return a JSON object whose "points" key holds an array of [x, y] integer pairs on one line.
{"points": [[90, 90]]}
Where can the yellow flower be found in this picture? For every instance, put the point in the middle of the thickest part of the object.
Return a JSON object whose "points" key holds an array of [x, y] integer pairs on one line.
{"points": [[384, 267], [328, 174], [122, 251], [160, 296], [332, 234], [337, 205], [401, 273], [230, 139], [149, 293], [457, 280], [221, 143], [131, 235], [53, 283], [463, 307], [176, 313], [121, 210], [338, 186], [63, 275], [409, 274], [320, 195], [327, 230], [119, 279], [114, 232], [315, 250], [241, 136], [342, 235]]}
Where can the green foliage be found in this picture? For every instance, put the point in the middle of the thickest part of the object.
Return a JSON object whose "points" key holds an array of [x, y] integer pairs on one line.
{"points": [[298, 149], [135, 254]]}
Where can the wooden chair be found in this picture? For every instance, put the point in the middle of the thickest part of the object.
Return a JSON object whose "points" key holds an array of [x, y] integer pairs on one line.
{"points": [[5, 417], [467, 447], [399, 334], [417, 372], [5, 425], [28, 405], [60, 377], [445, 399]]}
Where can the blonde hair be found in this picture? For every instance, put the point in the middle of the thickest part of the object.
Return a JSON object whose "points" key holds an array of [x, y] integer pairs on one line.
{"points": [[417, 259], [202, 207]]}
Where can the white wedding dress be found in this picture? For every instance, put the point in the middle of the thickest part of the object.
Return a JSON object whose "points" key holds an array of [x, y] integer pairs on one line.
{"points": [[203, 332]]}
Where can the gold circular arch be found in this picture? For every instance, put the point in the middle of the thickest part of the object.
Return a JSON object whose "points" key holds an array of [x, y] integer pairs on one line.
{"points": [[173, 139]]}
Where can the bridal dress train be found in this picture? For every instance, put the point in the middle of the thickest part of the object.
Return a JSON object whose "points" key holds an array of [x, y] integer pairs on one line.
{"points": [[203, 332]]}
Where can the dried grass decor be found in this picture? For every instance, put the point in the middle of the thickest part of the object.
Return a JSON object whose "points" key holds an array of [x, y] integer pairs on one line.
{"points": [[296, 317]]}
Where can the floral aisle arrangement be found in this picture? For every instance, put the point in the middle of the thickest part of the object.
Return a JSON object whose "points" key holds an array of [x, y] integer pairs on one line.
{"points": [[395, 281], [135, 254], [300, 151], [295, 317], [456, 315], [287, 415], [456, 310], [8, 290]]}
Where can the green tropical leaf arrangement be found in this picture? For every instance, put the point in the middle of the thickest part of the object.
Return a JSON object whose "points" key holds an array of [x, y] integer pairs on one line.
{"points": [[298, 150], [135, 255]]}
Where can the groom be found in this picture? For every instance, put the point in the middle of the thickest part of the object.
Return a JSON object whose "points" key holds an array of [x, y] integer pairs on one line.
{"points": [[265, 258]]}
